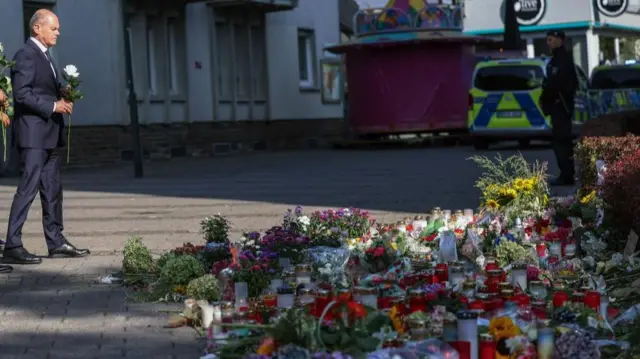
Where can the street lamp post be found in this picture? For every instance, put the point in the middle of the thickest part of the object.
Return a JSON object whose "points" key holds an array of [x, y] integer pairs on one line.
{"points": [[132, 98]]}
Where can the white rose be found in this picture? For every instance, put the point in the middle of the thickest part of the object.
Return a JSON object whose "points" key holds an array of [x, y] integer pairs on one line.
{"points": [[1, 47], [71, 71], [304, 220]]}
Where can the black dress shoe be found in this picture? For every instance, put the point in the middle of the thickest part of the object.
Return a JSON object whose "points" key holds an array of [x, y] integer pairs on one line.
{"points": [[5, 269], [68, 250], [19, 256]]}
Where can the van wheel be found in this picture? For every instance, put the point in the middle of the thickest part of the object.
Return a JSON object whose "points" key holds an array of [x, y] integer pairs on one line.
{"points": [[480, 144], [525, 143]]}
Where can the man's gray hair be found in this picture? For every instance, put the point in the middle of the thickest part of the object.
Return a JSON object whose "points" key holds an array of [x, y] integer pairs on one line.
{"points": [[37, 18]]}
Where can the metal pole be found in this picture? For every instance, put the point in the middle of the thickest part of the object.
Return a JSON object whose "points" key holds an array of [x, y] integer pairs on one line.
{"points": [[133, 99]]}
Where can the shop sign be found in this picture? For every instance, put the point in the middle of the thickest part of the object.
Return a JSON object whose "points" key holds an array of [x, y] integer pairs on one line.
{"points": [[530, 12], [612, 8]]}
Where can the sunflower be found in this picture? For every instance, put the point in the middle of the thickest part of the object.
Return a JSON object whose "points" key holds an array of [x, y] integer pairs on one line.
{"points": [[528, 184], [492, 204], [503, 328], [508, 192], [518, 184]]}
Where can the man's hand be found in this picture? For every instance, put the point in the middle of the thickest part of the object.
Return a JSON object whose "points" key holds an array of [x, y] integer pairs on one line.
{"points": [[63, 106], [3, 97]]}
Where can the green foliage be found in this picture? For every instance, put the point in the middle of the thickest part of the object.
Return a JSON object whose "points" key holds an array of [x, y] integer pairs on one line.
{"points": [[137, 264], [215, 229], [206, 287], [164, 258], [181, 270]]}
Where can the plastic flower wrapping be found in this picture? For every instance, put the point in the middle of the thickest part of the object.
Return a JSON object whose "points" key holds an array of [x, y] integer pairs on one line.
{"points": [[330, 263], [426, 349]]}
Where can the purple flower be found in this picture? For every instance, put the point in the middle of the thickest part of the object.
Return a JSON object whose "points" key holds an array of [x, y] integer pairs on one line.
{"points": [[253, 235], [298, 210]]}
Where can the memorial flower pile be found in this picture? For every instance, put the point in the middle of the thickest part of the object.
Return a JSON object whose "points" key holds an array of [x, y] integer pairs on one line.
{"points": [[524, 276]]}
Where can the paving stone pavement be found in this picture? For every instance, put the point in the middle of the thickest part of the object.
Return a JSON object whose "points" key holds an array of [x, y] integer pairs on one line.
{"points": [[56, 310]]}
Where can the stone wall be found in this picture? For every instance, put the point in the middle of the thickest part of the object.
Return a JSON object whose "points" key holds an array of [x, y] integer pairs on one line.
{"points": [[102, 145]]}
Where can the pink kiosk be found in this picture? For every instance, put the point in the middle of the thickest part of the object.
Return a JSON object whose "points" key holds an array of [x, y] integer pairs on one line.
{"points": [[409, 69]]}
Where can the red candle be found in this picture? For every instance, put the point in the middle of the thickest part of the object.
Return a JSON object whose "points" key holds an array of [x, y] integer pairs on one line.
{"points": [[539, 309], [559, 298], [463, 349], [488, 347], [385, 302], [270, 300], [494, 280], [497, 303], [417, 301], [541, 249], [522, 299], [491, 266], [477, 305], [592, 300]]}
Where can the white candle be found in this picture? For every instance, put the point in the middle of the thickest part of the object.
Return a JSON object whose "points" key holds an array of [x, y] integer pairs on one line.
{"points": [[468, 330], [519, 276], [555, 248], [285, 297]]}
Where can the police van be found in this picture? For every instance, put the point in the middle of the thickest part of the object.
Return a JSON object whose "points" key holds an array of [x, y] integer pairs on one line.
{"points": [[504, 102], [614, 88]]}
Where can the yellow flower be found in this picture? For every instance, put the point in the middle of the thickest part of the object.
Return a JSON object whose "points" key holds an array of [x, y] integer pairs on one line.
{"points": [[396, 319], [503, 328], [508, 192], [528, 184], [180, 289], [588, 198], [394, 245], [518, 184], [545, 200], [492, 204], [491, 188]]}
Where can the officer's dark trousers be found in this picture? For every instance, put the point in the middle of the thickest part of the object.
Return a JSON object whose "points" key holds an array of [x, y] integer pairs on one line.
{"points": [[562, 141]]}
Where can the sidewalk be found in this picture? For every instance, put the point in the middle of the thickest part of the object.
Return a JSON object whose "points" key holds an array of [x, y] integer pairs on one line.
{"points": [[56, 310]]}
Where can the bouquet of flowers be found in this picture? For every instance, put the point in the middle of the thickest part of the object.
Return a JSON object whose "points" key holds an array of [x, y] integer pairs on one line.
{"points": [[333, 227], [380, 256], [512, 187], [255, 269], [6, 106]]}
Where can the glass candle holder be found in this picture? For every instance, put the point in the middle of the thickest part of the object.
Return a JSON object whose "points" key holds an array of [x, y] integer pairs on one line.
{"points": [[419, 223], [578, 298], [537, 289], [345, 295], [417, 300], [488, 347], [504, 285], [541, 249], [507, 294], [417, 329], [468, 330], [276, 283], [555, 248], [519, 276], [241, 291], [570, 250], [539, 309], [323, 298], [270, 300], [559, 298], [592, 300], [450, 330], [366, 296], [493, 280], [226, 311], [303, 274], [457, 275], [285, 297], [469, 289]]}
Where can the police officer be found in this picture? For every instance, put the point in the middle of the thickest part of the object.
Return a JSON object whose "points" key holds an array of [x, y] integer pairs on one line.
{"points": [[557, 99]]}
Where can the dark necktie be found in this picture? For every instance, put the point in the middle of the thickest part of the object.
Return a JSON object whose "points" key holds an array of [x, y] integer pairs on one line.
{"points": [[48, 55]]}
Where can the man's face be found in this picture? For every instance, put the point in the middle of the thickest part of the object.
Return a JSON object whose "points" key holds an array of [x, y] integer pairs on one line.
{"points": [[48, 30], [554, 42]]}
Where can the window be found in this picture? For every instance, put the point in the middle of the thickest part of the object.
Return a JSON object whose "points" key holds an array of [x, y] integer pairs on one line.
{"points": [[243, 66], [509, 78], [616, 78], [306, 58], [172, 52], [152, 72], [223, 52], [259, 62]]}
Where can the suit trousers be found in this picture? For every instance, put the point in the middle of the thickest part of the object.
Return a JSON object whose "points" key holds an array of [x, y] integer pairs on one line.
{"points": [[41, 173], [562, 140]]}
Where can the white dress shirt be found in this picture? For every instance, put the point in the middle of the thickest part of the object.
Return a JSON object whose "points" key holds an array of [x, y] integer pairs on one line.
{"points": [[44, 49]]}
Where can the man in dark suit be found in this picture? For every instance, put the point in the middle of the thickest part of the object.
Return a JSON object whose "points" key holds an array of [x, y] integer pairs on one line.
{"points": [[38, 126]]}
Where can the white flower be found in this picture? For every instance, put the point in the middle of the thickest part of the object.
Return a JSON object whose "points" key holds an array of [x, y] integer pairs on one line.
{"points": [[1, 48], [304, 220], [71, 71], [250, 243], [480, 261]]}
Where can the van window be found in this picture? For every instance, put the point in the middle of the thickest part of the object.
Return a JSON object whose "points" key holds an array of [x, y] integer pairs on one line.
{"points": [[616, 78], [509, 78]]}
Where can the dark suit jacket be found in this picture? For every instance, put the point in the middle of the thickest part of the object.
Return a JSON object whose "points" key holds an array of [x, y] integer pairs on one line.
{"points": [[35, 90]]}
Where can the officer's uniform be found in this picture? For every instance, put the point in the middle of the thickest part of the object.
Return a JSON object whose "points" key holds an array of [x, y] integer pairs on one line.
{"points": [[557, 100]]}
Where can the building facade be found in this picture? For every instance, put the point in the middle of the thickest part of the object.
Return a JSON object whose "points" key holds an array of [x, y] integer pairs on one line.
{"points": [[587, 23], [214, 76]]}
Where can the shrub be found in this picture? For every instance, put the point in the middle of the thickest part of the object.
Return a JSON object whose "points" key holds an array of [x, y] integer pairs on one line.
{"points": [[621, 190], [608, 149], [181, 270], [206, 287], [137, 262], [215, 229]]}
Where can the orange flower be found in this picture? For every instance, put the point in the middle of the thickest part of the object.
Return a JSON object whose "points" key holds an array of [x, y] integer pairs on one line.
{"points": [[503, 328], [357, 310], [396, 319], [267, 347]]}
